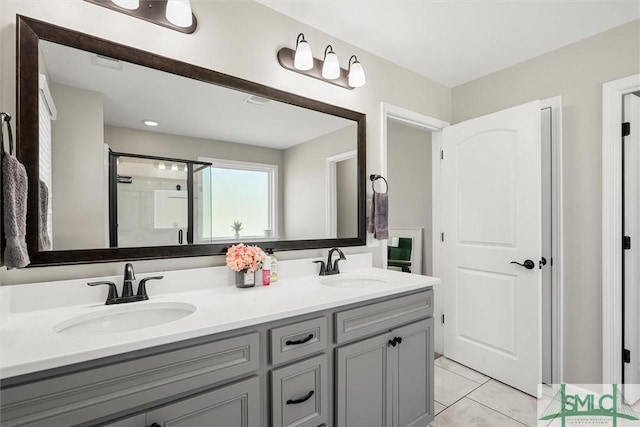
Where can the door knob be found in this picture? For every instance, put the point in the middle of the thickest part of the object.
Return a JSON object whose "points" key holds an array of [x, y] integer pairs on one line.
{"points": [[155, 425], [528, 264], [392, 342]]}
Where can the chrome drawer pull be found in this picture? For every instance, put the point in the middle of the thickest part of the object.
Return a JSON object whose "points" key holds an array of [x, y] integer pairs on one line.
{"points": [[302, 341], [301, 400]]}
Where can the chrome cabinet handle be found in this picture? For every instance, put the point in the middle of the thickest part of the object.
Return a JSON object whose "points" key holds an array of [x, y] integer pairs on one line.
{"points": [[528, 264]]}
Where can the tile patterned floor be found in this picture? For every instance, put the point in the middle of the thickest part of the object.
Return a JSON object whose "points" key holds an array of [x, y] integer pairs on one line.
{"points": [[466, 398]]}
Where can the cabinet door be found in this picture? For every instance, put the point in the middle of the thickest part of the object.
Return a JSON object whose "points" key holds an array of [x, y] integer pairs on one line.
{"points": [[413, 376], [364, 383], [235, 405]]}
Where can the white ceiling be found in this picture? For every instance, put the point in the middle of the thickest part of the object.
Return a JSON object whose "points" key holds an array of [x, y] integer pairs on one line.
{"points": [[455, 41], [185, 106]]}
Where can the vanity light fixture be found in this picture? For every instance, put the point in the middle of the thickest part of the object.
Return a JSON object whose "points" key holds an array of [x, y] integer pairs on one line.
{"points": [[303, 59], [356, 73], [174, 14], [328, 70], [151, 123], [127, 4], [179, 13], [330, 66]]}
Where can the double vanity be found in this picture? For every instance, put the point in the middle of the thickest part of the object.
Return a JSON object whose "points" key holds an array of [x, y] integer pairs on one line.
{"points": [[355, 348]]}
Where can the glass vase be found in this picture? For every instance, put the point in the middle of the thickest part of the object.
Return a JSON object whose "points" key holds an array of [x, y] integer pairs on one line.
{"points": [[245, 279]]}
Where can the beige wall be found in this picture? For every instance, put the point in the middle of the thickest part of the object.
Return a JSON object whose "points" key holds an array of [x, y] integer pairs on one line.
{"points": [[409, 175], [576, 72], [305, 189], [78, 174], [225, 28]]}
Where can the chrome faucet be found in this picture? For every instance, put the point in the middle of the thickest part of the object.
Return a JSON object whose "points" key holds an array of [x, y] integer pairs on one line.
{"points": [[328, 269], [127, 288]]}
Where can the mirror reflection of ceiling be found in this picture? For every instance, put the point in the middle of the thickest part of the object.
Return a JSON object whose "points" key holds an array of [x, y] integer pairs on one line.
{"points": [[184, 106]]}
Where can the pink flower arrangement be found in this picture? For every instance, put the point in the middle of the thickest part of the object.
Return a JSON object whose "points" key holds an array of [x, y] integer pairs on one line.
{"points": [[246, 259]]}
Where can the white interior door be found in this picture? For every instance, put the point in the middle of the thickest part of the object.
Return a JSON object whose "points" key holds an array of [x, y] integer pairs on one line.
{"points": [[632, 256], [491, 210]]}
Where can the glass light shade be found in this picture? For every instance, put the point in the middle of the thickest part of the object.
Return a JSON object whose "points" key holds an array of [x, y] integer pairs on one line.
{"points": [[162, 166], [174, 167], [303, 59], [356, 75], [331, 67], [127, 4], [179, 13]]}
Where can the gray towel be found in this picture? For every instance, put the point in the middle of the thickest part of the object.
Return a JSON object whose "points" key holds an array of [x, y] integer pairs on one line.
{"points": [[379, 219], [14, 191], [43, 228]]}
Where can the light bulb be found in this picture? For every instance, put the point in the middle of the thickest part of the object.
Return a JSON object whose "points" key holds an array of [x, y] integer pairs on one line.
{"points": [[331, 66], [127, 4], [303, 59], [162, 166], [174, 167], [179, 13], [356, 73]]}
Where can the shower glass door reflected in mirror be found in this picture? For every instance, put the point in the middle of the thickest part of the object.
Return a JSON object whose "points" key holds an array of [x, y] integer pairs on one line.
{"points": [[152, 201]]}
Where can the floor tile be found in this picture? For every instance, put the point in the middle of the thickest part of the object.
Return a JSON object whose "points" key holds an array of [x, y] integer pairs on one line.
{"points": [[507, 400], [462, 370], [450, 387], [468, 413], [438, 407]]}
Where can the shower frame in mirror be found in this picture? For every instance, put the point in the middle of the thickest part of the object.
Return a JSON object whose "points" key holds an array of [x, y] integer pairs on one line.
{"points": [[31, 31]]}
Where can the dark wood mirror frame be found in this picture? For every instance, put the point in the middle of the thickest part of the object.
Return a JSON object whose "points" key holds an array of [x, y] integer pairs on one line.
{"points": [[31, 31]]}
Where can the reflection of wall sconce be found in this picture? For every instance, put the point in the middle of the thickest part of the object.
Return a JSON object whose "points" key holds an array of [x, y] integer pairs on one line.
{"points": [[302, 61], [174, 14]]}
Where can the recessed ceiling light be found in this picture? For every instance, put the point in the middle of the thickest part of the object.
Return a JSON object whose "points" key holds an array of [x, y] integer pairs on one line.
{"points": [[152, 123]]}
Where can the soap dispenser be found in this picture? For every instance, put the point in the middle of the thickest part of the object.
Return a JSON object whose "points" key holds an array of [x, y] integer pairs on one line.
{"points": [[274, 265]]}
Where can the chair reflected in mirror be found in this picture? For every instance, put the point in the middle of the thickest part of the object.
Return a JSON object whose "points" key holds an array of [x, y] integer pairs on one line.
{"points": [[399, 254], [404, 250]]}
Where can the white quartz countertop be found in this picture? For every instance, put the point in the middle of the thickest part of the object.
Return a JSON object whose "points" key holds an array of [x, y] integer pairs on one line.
{"points": [[29, 342]]}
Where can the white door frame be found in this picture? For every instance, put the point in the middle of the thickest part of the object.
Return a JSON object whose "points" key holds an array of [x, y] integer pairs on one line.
{"points": [[389, 111], [432, 124], [557, 293], [612, 93], [332, 192]]}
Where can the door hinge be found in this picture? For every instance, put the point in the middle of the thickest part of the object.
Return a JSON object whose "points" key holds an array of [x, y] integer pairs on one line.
{"points": [[442, 237], [626, 129], [626, 242], [443, 319], [626, 356], [441, 154]]}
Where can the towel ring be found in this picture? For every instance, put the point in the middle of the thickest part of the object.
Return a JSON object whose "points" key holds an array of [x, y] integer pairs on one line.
{"points": [[374, 178], [6, 117]]}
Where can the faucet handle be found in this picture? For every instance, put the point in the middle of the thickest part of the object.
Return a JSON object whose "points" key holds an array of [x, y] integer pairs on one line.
{"points": [[323, 269], [142, 288], [113, 291]]}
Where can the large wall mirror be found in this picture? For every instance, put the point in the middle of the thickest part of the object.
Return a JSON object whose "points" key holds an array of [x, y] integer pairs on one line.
{"points": [[134, 156]]}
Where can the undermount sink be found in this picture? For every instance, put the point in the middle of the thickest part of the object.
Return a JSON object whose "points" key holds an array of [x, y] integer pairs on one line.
{"points": [[347, 280], [125, 318]]}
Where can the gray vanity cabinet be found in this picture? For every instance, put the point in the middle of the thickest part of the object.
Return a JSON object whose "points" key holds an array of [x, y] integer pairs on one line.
{"points": [[387, 380], [235, 405]]}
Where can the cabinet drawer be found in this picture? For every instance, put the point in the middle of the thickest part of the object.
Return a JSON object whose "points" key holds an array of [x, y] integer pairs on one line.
{"points": [[95, 393], [298, 340], [234, 405], [299, 393], [382, 316]]}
